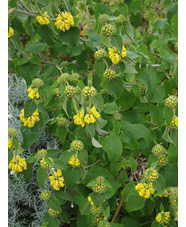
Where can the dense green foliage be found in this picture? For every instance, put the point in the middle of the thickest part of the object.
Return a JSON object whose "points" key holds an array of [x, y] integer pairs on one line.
{"points": [[136, 101]]}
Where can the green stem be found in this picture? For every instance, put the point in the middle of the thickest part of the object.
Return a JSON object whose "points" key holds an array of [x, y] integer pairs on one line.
{"points": [[75, 105], [38, 7], [89, 104], [66, 5], [26, 13], [14, 154], [23, 5], [131, 37], [106, 63]]}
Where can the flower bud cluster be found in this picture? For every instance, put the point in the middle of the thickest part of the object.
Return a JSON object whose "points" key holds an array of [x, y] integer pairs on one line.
{"points": [[174, 123], [37, 83], [109, 74], [171, 101], [45, 195], [151, 175], [100, 54], [53, 213], [108, 30], [76, 145], [143, 89], [61, 121], [103, 18], [41, 153], [99, 187], [12, 132], [161, 153], [70, 91], [89, 92]]}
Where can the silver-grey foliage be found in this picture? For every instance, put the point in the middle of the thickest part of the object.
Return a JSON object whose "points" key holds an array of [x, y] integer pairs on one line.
{"points": [[26, 208]]}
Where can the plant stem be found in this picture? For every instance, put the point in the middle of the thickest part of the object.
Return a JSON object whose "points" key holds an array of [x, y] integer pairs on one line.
{"points": [[117, 210], [106, 63], [131, 37], [23, 5], [26, 13], [66, 5], [38, 7], [92, 164]]}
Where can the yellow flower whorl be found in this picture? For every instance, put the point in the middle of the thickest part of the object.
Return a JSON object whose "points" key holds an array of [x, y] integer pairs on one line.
{"points": [[18, 164], [64, 21]]}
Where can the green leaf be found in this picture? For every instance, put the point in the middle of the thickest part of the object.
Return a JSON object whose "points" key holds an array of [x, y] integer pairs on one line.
{"points": [[71, 36], [126, 100], [106, 41], [174, 24], [45, 224], [166, 136], [54, 203], [173, 153], [127, 190], [36, 48], [117, 42], [28, 172], [149, 207], [129, 68], [16, 142], [168, 115], [113, 146], [107, 212], [41, 92], [71, 176], [95, 143], [116, 87], [29, 108], [35, 60], [159, 184], [156, 112], [59, 164], [130, 222], [52, 222], [131, 162], [28, 72], [43, 115], [124, 9], [135, 202], [101, 9], [150, 78], [99, 67], [62, 134], [10, 156], [42, 176], [168, 56], [98, 102], [160, 42], [111, 108], [29, 136], [46, 34]]}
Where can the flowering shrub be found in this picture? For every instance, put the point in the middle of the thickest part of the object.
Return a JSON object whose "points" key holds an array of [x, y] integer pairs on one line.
{"points": [[102, 80]]}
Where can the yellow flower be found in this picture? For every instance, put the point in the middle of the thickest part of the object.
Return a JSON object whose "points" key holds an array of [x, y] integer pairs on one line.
{"points": [[43, 20], [176, 121], [124, 52], [18, 164], [78, 118], [94, 112], [115, 56], [33, 93], [158, 217], [89, 118], [11, 32], [74, 161], [165, 194], [144, 190], [90, 200], [64, 21], [30, 121], [57, 181], [10, 144], [163, 218]]}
